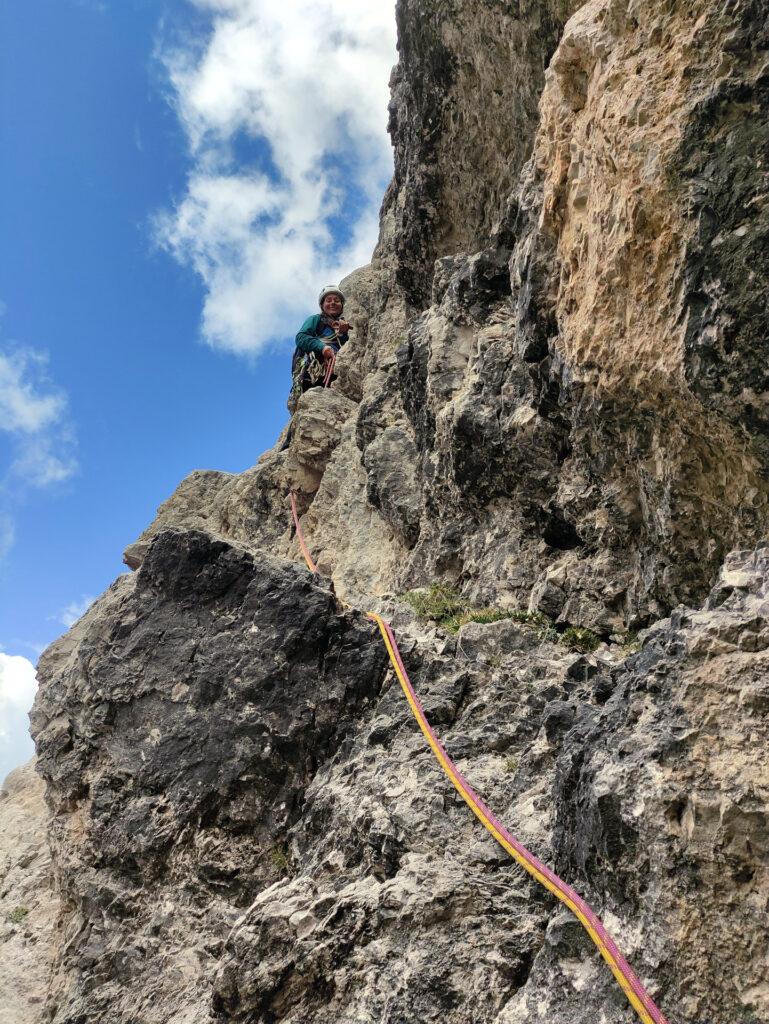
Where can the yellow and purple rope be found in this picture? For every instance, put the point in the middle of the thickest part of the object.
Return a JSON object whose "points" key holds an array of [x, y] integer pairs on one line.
{"points": [[622, 971]]}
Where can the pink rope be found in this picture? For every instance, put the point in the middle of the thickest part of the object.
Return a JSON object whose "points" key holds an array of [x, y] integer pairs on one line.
{"points": [[302, 543]]}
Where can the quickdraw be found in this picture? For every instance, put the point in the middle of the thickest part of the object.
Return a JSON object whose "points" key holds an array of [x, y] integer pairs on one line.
{"points": [[637, 995]]}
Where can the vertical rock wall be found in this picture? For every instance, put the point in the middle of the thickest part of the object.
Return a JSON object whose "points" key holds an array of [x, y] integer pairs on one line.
{"points": [[463, 116], [29, 908], [659, 291], [178, 726], [554, 395]]}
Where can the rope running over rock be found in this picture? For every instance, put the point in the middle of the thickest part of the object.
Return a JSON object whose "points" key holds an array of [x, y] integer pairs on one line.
{"points": [[628, 980]]}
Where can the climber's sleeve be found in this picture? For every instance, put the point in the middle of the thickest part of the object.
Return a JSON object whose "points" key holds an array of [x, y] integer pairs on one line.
{"points": [[307, 339]]}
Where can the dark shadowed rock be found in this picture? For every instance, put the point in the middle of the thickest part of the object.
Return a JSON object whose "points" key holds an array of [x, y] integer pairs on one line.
{"points": [[177, 732]]}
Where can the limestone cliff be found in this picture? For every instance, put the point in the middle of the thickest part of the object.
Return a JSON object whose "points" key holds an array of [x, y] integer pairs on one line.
{"points": [[29, 908], [554, 402]]}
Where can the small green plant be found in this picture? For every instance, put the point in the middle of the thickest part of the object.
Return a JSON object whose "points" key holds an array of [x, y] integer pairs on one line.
{"points": [[544, 628], [442, 604], [531, 618], [17, 916], [525, 617], [629, 643], [439, 603], [487, 615], [580, 639], [543, 625], [511, 764], [279, 860]]}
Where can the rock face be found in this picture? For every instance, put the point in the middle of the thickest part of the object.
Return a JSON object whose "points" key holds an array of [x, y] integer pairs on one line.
{"points": [[463, 115], [664, 797], [555, 402], [565, 353], [28, 905], [183, 719]]}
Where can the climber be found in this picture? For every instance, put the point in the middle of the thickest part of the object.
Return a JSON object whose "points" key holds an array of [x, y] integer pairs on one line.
{"points": [[319, 339]]}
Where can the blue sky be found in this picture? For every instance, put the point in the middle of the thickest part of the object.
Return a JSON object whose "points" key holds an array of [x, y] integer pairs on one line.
{"points": [[178, 180]]}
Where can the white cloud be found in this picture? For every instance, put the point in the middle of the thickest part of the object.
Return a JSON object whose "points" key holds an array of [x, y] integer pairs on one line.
{"points": [[40, 464], [18, 685], [22, 406], [37, 441], [33, 413], [303, 87], [68, 616]]}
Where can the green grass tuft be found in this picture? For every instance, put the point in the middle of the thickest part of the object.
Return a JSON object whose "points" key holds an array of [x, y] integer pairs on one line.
{"points": [[629, 643], [441, 604], [17, 916], [488, 615], [580, 639], [438, 603], [279, 860], [543, 625]]}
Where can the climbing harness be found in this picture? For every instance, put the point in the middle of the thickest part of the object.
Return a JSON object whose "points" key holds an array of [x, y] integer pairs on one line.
{"points": [[309, 371], [626, 977]]}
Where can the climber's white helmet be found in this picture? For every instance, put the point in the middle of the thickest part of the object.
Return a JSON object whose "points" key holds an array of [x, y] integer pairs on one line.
{"points": [[330, 290]]}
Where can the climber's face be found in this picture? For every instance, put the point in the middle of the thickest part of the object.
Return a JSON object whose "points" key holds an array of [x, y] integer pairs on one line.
{"points": [[332, 306]]}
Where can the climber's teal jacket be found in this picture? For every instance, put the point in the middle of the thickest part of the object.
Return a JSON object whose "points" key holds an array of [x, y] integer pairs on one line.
{"points": [[310, 336]]}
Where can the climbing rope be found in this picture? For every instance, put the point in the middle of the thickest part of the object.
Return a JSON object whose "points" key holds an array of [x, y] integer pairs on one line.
{"points": [[622, 971], [330, 340], [302, 544], [330, 364], [628, 980]]}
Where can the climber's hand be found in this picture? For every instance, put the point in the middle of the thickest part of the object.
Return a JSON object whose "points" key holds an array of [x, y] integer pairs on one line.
{"points": [[341, 326], [327, 353]]}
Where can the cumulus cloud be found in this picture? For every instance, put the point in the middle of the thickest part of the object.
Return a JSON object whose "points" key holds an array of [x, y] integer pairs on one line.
{"points": [[33, 416], [18, 685], [22, 407], [284, 107], [37, 442]]}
